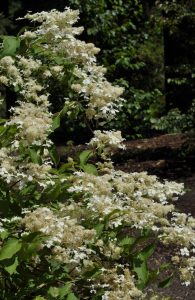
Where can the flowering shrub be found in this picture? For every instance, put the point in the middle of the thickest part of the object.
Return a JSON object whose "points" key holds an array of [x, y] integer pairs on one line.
{"points": [[78, 230]]}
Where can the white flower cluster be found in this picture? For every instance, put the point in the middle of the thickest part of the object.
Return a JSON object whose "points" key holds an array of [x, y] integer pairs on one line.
{"points": [[66, 236], [141, 201], [124, 286], [31, 116], [137, 201], [129, 193], [100, 98], [103, 98], [17, 172], [70, 242], [32, 120], [106, 142]]}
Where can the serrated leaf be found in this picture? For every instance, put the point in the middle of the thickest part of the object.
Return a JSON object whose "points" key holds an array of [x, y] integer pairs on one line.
{"points": [[99, 228], [10, 248], [12, 268], [35, 157], [2, 129], [141, 269], [63, 291], [140, 265], [72, 296], [10, 45], [147, 252], [84, 156], [90, 169], [31, 245]]}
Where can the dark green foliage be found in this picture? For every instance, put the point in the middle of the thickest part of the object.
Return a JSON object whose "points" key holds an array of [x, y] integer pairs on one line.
{"points": [[132, 51], [178, 21]]}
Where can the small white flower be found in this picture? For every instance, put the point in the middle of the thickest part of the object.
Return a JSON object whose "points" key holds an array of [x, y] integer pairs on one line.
{"points": [[184, 252]]}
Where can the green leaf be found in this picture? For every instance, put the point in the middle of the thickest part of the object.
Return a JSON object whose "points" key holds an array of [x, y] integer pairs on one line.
{"points": [[164, 266], [2, 121], [127, 241], [2, 129], [10, 248], [35, 157], [31, 237], [56, 122], [10, 45], [90, 169], [95, 272], [12, 268], [53, 291], [140, 265], [54, 155], [39, 298], [30, 188], [4, 234], [72, 296], [59, 60], [84, 156], [147, 252], [99, 228], [63, 291], [31, 245], [66, 167], [166, 282], [141, 269]]}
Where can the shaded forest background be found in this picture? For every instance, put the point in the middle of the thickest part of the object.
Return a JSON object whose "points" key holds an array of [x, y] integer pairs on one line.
{"points": [[147, 47]]}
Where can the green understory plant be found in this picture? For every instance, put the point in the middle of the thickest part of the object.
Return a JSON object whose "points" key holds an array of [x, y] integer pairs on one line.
{"points": [[175, 121]]}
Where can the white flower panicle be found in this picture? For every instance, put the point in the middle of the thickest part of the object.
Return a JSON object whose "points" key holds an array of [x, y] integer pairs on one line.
{"points": [[107, 142], [101, 98], [140, 201]]}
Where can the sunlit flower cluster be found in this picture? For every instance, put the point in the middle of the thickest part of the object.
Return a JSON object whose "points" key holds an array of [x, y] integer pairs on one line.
{"points": [[100, 98], [33, 124], [106, 142], [140, 201], [123, 283], [17, 172], [103, 98], [71, 243]]}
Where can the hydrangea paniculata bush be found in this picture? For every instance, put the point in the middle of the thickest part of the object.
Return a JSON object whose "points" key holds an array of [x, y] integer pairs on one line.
{"points": [[75, 234]]}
